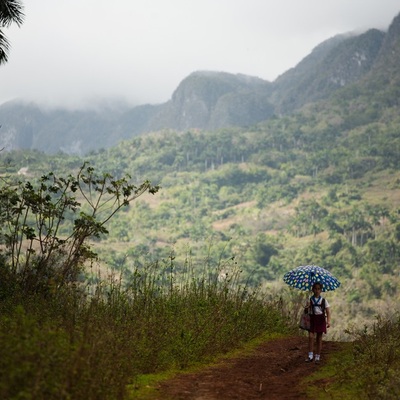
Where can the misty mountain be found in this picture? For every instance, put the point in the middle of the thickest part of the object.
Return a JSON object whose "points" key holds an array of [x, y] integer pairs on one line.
{"points": [[347, 65], [335, 63], [212, 100]]}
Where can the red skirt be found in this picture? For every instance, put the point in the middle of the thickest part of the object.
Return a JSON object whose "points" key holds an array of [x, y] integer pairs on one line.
{"points": [[317, 323]]}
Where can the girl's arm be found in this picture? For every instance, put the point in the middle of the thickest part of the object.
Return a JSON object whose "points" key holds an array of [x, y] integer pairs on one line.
{"points": [[328, 317]]}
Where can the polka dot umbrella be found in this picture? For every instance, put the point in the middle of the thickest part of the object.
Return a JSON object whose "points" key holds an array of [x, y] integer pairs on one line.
{"points": [[305, 276]]}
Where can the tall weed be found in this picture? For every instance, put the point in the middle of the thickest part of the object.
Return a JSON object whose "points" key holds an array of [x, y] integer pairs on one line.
{"points": [[84, 342], [376, 353]]}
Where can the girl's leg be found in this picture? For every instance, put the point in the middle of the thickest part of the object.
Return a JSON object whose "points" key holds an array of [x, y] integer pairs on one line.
{"points": [[310, 346], [319, 346], [319, 343], [310, 342]]}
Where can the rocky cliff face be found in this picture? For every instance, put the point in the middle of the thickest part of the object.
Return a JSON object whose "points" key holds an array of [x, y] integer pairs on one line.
{"points": [[336, 63], [213, 100], [386, 69]]}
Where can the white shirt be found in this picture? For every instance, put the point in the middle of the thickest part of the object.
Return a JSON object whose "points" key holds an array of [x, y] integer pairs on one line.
{"points": [[317, 310]]}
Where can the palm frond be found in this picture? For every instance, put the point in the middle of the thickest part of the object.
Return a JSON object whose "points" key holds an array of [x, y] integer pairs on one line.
{"points": [[11, 11], [4, 48]]}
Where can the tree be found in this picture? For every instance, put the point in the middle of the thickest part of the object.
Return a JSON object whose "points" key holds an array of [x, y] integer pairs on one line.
{"points": [[308, 218], [356, 226], [10, 12], [262, 250], [44, 228]]}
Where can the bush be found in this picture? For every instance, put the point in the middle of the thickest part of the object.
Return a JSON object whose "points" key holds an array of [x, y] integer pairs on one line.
{"points": [[377, 359], [82, 342]]}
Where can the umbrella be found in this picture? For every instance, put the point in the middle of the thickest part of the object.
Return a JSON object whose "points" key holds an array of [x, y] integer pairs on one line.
{"points": [[305, 276]]}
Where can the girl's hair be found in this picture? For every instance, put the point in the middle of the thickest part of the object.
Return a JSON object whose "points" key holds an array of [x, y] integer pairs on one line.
{"points": [[317, 284]]}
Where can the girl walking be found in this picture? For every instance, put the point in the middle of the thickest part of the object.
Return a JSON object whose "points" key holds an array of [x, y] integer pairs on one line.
{"points": [[320, 320]]}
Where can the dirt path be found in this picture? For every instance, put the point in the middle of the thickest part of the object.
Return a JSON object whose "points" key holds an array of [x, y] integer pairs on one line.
{"points": [[272, 372]]}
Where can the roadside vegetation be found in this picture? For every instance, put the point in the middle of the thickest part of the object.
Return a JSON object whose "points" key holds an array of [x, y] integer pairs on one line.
{"points": [[72, 345], [71, 329], [368, 367]]}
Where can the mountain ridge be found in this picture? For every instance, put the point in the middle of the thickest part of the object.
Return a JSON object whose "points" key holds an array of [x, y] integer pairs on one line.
{"points": [[211, 100]]}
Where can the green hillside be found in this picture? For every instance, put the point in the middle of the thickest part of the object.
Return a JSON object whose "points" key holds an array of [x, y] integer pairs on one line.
{"points": [[321, 186]]}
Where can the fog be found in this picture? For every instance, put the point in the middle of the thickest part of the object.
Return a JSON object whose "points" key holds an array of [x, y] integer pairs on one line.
{"points": [[72, 53]]}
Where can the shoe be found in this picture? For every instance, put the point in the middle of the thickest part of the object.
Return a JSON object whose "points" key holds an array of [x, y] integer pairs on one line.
{"points": [[308, 360], [317, 361]]}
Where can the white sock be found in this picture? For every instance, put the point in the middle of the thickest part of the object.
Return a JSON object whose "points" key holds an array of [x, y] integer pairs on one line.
{"points": [[317, 357], [310, 355]]}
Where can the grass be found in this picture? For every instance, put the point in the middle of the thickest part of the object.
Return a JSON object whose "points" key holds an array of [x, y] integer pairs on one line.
{"points": [[121, 340], [101, 343], [145, 386], [329, 381], [366, 368]]}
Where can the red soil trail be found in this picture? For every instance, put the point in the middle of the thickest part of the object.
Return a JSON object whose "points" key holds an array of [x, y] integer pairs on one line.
{"points": [[273, 371]]}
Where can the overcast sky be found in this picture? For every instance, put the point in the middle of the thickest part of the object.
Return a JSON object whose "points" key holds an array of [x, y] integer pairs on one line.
{"points": [[74, 52]]}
